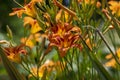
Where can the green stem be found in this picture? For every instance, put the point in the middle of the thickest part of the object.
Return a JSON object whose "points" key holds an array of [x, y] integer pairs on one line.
{"points": [[102, 37], [28, 70], [97, 65], [78, 64], [64, 8]]}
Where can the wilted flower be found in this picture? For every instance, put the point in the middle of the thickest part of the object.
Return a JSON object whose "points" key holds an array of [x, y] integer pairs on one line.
{"points": [[13, 53], [64, 36]]}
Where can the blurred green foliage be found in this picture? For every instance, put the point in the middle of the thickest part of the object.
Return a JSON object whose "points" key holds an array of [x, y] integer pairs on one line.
{"points": [[13, 22]]}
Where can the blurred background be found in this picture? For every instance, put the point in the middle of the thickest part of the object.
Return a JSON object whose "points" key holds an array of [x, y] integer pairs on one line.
{"points": [[13, 22]]}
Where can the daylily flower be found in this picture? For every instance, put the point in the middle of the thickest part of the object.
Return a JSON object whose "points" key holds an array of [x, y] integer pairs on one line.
{"points": [[28, 9], [13, 53], [33, 23], [31, 40], [115, 7], [62, 37]]}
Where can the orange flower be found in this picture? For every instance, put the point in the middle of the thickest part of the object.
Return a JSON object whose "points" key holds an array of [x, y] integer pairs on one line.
{"points": [[28, 9], [118, 52], [112, 62], [63, 38], [13, 53], [33, 23], [18, 11], [115, 7]]}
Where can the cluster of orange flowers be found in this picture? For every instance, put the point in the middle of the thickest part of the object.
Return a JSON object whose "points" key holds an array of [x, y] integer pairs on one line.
{"points": [[59, 35], [13, 52], [63, 35]]}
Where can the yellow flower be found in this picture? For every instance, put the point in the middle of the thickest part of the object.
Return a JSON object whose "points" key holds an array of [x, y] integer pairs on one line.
{"points": [[13, 53], [115, 7], [98, 4], [118, 53], [48, 66], [33, 23], [62, 37], [28, 42], [28, 9], [31, 40]]}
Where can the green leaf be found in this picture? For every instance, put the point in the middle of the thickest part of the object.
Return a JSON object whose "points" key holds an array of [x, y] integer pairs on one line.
{"points": [[9, 32]]}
